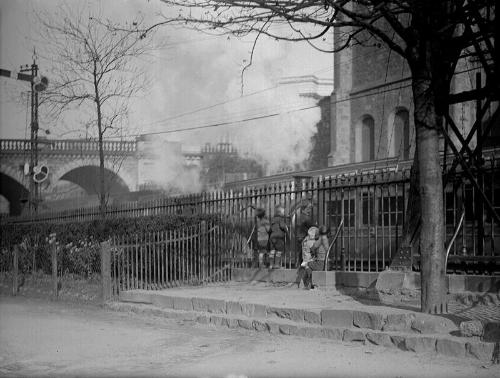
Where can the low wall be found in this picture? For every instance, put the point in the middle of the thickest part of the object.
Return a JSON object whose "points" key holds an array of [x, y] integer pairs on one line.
{"points": [[385, 280]]}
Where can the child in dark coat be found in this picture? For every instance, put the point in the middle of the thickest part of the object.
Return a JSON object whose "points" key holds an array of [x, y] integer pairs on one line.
{"points": [[261, 238], [279, 230]]}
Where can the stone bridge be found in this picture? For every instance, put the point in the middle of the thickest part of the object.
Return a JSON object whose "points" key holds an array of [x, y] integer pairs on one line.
{"points": [[75, 164]]}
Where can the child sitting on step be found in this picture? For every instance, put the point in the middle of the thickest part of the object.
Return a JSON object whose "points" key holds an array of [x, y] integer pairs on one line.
{"points": [[318, 251], [304, 273]]}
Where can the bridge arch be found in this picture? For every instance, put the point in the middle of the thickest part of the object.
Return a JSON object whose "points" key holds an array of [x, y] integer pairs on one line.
{"points": [[13, 189], [85, 173]]}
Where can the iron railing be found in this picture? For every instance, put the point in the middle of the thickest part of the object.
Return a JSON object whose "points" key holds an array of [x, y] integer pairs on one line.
{"points": [[372, 207], [191, 255]]}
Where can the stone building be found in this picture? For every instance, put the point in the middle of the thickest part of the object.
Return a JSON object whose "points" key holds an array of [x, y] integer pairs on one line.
{"points": [[372, 106]]}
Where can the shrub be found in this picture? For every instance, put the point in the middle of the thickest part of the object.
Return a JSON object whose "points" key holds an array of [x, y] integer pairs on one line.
{"points": [[78, 242]]}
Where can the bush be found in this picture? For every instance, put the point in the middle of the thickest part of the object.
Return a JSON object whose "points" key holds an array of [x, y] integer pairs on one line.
{"points": [[82, 258], [77, 242], [99, 230]]}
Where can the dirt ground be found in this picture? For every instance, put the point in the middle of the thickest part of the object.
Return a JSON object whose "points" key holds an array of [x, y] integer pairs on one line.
{"points": [[43, 338]]}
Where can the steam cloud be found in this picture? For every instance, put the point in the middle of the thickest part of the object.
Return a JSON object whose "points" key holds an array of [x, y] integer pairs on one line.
{"points": [[192, 71]]}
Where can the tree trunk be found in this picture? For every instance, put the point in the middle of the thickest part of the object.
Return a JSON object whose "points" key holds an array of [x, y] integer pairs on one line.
{"points": [[433, 271], [102, 187]]}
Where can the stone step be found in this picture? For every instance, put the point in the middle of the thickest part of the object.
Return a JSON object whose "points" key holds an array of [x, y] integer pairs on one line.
{"points": [[409, 331], [393, 320]]}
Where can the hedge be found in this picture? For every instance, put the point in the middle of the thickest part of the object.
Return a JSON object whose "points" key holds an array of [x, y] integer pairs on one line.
{"points": [[78, 242], [99, 230]]}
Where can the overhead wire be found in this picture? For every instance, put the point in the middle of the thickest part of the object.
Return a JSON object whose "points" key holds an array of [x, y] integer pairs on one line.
{"points": [[256, 92], [263, 116]]}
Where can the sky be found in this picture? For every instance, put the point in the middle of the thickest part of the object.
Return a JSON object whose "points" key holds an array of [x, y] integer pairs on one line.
{"points": [[191, 71]]}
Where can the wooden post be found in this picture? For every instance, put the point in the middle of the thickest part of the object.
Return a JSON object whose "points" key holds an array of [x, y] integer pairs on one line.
{"points": [[54, 269], [15, 270], [106, 270]]}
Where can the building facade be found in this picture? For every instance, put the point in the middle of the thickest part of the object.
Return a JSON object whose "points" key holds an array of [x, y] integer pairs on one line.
{"points": [[372, 105]]}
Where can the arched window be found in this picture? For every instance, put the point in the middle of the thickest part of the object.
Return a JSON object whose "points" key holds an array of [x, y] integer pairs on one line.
{"points": [[367, 139], [402, 134]]}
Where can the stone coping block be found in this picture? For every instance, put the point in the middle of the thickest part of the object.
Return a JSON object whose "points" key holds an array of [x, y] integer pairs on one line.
{"points": [[379, 338], [399, 341], [479, 284], [234, 308], [162, 301], [405, 322], [424, 323], [452, 348], [183, 303], [420, 344], [313, 317], [389, 281], [136, 296], [217, 306], [337, 318], [481, 351], [449, 346], [263, 275], [398, 322], [345, 279], [471, 328], [296, 315], [353, 335], [371, 320], [254, 310], [385, 280]]}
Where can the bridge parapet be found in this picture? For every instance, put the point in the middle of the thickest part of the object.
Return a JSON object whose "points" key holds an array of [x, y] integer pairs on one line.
{"points": [[14, 145], [69, 146]]}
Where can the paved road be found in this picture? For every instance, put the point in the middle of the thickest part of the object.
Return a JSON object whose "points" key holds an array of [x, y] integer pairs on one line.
{"points": [[42, 338]]}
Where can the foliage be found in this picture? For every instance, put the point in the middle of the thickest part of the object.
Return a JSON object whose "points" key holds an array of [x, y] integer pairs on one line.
{"points": [[99, 230], [94, 71], [219, 165], [81, 257], [78, 242]]}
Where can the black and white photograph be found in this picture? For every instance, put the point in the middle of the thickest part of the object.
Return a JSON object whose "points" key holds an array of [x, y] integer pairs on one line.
{"points": [[249, 189]]}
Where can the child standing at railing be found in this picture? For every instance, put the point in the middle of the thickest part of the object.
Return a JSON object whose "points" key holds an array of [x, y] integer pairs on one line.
{"points": [[262, 228], [279, 230]]}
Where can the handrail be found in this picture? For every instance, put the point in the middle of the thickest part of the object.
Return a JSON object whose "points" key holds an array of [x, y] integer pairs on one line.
{"points": [[339, 228], [457, 229]]}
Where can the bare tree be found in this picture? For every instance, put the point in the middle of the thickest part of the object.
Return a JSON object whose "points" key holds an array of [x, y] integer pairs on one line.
{"points": [[94, 73], [431, 36]]}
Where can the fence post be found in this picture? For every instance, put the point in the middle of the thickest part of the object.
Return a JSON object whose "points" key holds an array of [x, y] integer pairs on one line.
{"points": [[54, 269], [204, 249], [15, 270], [106, 270], [342, 259]]}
